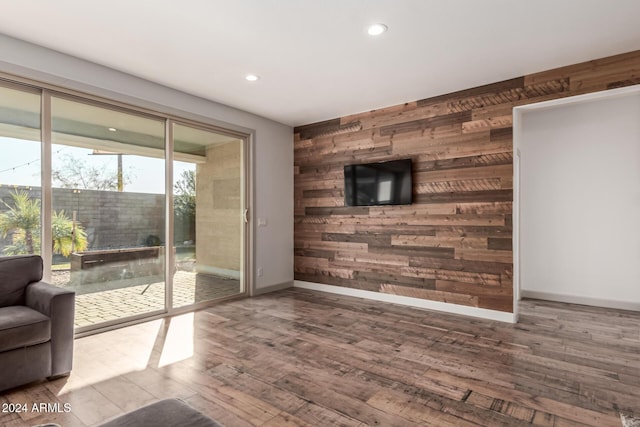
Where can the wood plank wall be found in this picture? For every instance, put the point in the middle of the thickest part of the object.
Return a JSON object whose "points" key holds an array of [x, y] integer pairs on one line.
{"points": [[454, 243]]}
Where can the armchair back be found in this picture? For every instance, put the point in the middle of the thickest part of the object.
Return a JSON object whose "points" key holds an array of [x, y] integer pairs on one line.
{"points": [[16, 272]]}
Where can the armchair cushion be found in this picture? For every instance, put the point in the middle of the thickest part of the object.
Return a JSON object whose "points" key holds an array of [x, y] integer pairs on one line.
{"points": [[16, 272], [22, 326]]}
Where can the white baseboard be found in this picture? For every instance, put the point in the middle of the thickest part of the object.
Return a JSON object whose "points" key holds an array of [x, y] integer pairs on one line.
{"points": [[573, 299], [215, 271], [483, 313], [272, 288]]}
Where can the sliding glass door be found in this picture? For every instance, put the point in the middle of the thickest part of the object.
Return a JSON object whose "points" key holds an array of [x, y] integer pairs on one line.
{"points": [[108, 219], [141, 214], [209, 222]]}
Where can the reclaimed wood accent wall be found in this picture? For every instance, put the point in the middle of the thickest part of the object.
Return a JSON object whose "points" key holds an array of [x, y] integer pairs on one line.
{"points": [[454, 243]]}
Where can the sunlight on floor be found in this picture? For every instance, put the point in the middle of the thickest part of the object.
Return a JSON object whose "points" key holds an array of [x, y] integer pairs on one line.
{"points": [[106, 351], [178, 344], [105, 357]]}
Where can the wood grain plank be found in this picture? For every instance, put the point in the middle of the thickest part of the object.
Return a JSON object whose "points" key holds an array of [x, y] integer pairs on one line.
{"points": [[433, 241], [433, 295], [324, 128], [505, 85], [501, 256], [484, 279], [466, 197], [480, 172], [490, 123], [464, 162], [421, 124]]}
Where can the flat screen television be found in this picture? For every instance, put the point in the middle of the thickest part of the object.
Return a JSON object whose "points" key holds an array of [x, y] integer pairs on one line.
{"points": [[384, 183]]}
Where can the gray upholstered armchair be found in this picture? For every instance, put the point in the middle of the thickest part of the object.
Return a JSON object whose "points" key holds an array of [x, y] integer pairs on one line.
{"points": [[36, 323]]}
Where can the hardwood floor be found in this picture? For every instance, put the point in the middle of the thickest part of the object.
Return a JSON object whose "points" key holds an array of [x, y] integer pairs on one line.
{"points": [[299, 357]]}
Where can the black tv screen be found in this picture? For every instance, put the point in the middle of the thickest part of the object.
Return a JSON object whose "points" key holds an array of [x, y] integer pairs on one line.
{"points": [[384, 183]]}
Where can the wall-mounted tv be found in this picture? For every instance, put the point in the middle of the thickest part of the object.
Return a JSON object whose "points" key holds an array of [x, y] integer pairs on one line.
{"points": [[384, 183]]}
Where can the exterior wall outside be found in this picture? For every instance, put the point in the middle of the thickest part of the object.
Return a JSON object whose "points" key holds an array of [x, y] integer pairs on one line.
{"points": [[111, 219]]}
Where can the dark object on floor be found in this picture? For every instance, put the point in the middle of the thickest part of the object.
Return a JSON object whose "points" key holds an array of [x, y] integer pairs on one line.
{"points": [[36, 323], [165, 413]]}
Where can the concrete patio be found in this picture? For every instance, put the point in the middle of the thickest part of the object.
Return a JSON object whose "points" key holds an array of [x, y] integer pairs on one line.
{"points": [[130, 297]]}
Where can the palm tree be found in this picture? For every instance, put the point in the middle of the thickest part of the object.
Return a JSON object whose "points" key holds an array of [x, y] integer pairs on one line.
{"points": [[22, 220], [68, 236]]}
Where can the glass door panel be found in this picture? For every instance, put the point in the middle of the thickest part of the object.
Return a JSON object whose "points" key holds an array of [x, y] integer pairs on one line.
{"points": [[20, 172], [208, 215], [108, 220]]}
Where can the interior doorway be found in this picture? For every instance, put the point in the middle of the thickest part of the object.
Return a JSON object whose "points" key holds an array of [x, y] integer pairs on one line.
{"points": [[577, 199]]}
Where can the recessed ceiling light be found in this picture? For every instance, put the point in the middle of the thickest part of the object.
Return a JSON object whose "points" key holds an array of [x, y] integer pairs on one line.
{"points": [[112, 129], [252, 77], [377, 29]]}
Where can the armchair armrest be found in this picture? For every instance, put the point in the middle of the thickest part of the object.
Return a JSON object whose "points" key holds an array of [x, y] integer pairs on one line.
{"points": [[59, 305]]}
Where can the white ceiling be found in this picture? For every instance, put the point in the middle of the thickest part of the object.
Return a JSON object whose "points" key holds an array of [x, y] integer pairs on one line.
{"points": [[314, 57]]}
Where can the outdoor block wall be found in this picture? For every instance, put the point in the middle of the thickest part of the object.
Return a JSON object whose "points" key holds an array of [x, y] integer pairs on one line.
{"points": [[111, 219], [454, 243]]}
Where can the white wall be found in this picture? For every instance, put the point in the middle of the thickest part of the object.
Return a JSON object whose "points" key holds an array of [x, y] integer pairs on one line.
{"points": [[580, 201], [273, 163]]}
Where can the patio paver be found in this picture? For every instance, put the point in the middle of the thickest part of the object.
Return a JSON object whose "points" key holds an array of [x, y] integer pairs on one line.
{"points": [[126, 301]]}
